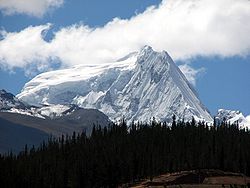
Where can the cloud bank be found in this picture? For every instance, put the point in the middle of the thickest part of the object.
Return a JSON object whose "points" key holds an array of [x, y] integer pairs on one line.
{"points": [[184, 28], [30, 7]]}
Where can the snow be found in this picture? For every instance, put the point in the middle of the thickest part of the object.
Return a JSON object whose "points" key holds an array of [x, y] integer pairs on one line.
{"points": [[48, 111], [233, 116], [8, 100], [36, 91], [28, 112], [9, 103], [139, 86], [248, 119], [90, 99], [53, 111]]}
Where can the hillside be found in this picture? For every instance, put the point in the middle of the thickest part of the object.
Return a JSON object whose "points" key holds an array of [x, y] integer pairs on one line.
{"points": [[121, 154], [195, 179]]}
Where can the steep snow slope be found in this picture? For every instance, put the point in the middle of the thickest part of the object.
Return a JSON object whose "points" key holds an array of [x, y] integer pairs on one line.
{"points": [[233, 117], [139, 86]]}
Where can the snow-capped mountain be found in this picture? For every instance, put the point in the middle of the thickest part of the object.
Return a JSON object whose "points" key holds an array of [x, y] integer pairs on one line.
{"points": [[22, 124], [10, 104], [8, 101], [140, 86], [233, 117]]}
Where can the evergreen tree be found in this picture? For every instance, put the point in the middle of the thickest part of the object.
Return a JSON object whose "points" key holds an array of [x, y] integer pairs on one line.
{"points": [[116, 154]]}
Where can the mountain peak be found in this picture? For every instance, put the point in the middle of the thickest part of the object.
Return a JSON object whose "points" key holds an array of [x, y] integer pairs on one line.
{"points": [[4, 95], [8, 100], [233, 116], [146, 48], [145, 51], [138, 87]]}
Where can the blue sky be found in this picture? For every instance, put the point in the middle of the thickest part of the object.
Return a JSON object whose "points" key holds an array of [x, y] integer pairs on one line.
{"points": [[213, 45]]}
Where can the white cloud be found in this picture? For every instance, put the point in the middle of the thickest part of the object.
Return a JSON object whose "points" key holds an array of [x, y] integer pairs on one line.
{"points": [[191, 73], [25, 49], [184, 28], [30, 7]]}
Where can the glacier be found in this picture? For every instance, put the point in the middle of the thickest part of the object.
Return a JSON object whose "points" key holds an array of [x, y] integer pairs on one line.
{"points": [[137, 87]]}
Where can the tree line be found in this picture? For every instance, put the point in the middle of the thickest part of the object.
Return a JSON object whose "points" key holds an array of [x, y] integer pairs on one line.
{"points": [[119, 154]]}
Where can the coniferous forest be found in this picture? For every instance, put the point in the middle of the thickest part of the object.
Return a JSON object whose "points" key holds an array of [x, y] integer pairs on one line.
{"points": [[120, 154]]}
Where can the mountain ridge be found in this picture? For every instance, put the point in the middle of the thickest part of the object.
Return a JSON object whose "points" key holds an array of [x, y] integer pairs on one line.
{"points": [[232, 117], [22, 124]]}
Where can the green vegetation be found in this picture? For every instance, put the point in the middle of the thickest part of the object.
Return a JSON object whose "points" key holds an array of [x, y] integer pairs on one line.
{"points": [[118, 154]]}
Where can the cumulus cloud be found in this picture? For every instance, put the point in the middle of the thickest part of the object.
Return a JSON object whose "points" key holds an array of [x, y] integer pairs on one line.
{"points": [[184, 28], [30, 7], [26, 49]]}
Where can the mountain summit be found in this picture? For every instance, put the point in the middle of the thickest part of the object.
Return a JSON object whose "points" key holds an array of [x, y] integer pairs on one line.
{"points": [[140, 86]]}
